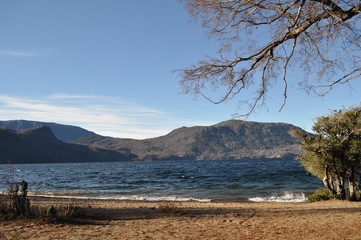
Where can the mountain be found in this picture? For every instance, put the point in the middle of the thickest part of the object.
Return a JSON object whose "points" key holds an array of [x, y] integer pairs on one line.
{"points": [[39, 145], [233, 139], [64, 133]]}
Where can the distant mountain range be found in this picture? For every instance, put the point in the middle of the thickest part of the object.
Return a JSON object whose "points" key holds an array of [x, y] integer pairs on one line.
{"points": [[233, 139], [39, 145], [64, 133]]}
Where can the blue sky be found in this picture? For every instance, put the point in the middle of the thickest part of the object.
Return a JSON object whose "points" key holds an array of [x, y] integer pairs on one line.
{"points": [[107, 66]]}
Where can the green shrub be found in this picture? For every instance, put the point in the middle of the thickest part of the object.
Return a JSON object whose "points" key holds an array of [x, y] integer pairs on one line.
{"points": [[321, 194]]}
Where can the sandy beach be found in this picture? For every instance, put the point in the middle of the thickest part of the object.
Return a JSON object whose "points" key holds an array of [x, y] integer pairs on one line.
{"points": [[112, 219]]}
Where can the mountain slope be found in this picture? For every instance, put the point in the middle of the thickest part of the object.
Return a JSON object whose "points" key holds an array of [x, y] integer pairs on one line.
{"points": [[233, 139], [64, 133], [39, 145]]}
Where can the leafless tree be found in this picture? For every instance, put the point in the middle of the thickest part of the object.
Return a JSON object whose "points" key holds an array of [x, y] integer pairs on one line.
{"points": [[263, 41]]}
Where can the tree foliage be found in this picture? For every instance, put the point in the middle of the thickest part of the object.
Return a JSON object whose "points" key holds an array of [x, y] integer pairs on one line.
{"points": [[262, 40], [334, 153]]}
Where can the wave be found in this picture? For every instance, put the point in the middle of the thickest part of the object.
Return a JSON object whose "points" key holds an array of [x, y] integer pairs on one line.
{"points": [[171, 199], [124, 198], [285, 197]]}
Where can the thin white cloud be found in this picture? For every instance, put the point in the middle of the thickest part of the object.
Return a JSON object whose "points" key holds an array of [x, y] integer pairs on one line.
{"points": [[63, 96], [103, 115], [17, 53]]}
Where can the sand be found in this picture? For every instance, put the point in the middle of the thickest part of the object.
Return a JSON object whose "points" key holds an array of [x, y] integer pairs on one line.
{"points": [[112, 219]]}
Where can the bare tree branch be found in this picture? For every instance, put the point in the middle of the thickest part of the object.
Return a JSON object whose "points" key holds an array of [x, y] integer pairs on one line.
{"points": [[345, 79], [259, 38]]}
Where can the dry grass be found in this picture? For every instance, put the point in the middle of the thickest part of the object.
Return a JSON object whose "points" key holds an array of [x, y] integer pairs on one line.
{"points": [[171, 208], [106, 219]]}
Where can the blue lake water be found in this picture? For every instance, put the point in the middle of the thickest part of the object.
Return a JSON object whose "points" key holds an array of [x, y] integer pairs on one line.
{"points": [[255, 180]]}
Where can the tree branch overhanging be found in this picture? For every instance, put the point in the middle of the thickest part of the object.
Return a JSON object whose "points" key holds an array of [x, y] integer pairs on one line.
{"points": [[294, 32]]}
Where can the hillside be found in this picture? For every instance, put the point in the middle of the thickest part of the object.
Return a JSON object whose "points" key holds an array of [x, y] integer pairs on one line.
{"points": [[39, 145], [233, 139], [64, 133]]}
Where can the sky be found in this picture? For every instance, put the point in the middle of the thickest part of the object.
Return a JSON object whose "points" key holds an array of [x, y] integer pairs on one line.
{"points": [[108, 67]]}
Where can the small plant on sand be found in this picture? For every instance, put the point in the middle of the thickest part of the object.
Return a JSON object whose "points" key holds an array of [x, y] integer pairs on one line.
{"points": [[68, 210], [52, 213], [321, 194], [19, 201], [3, 207], [170, 207], [15, 202], [57, 213]]}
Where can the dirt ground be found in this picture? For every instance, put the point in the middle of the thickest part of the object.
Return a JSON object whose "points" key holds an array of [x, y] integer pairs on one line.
{"points": [[111, 219]]}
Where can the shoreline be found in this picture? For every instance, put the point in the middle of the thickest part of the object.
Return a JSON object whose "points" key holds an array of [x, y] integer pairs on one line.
{"points": [[125, 219], [286, 197]]}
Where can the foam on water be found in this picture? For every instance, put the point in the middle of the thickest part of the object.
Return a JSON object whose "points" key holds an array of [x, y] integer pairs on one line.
{"points": [[285, 197], [155, 199], [114, 197]]}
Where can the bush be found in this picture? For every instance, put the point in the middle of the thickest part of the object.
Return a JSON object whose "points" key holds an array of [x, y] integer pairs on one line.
{"points": [[15, 202], [59, 213], [321, 194], [171, 207], [20, 203]]}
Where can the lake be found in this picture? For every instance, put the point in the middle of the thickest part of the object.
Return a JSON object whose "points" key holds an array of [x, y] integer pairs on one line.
{"points": [[229, 180]]}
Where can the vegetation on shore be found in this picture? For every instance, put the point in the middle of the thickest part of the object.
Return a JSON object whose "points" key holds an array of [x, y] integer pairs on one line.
{"points": [[333, 154], [321, 194], [14, 203]]}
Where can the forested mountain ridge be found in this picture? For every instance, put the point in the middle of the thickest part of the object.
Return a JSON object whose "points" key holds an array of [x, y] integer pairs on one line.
{"points": [[62, 132], [233, 139], [39, 145]]}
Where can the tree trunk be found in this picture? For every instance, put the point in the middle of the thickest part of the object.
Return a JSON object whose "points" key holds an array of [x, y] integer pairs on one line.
{"points": [[328, 182], [341, 191], [352, 184]]}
